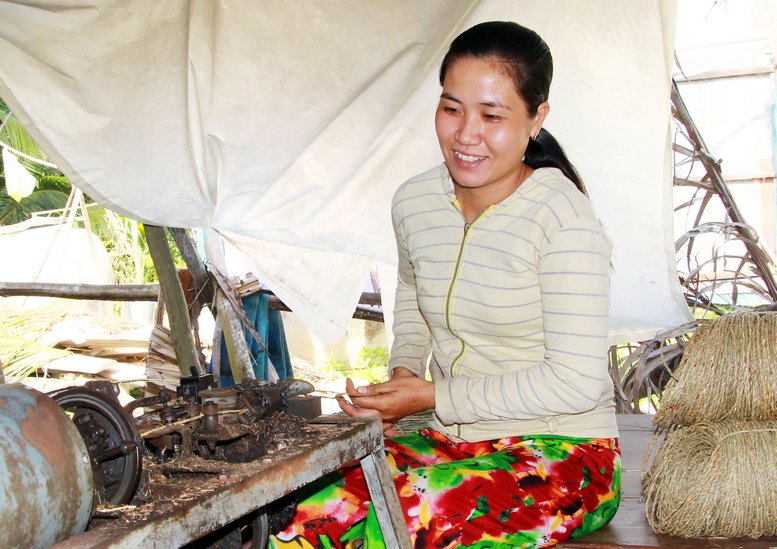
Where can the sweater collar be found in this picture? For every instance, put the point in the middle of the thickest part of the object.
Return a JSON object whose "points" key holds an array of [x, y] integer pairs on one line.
{"points": [[448, 188]]}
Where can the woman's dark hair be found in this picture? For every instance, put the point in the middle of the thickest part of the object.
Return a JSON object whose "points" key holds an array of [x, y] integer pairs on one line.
{"points": [[525, 58]]}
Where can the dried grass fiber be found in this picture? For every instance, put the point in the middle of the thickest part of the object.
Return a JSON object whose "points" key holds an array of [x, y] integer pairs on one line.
{"points": [[714, 480], [728, 371]]}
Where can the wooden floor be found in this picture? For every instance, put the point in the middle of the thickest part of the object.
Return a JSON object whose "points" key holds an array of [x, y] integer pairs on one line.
{"points": [[629, 528]]}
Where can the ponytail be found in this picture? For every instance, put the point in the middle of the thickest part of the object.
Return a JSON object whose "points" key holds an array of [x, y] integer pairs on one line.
{"points": [[546, 152]]}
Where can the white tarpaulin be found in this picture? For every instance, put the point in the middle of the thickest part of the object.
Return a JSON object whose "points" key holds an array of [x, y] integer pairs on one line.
{"points": [[285, 126]]}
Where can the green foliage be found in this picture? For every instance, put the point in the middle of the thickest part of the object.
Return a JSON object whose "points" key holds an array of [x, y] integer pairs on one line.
{"points": [[371, 365], [125, 242], [54, 183], [12, 212], [52, 186]]}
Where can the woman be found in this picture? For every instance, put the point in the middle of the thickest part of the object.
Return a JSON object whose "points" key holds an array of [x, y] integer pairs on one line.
{"points": [[504, 280]]}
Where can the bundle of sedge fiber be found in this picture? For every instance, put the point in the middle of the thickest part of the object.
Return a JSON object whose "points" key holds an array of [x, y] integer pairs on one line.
{"points": [[728, 371], [715, 480], [715, 473]]}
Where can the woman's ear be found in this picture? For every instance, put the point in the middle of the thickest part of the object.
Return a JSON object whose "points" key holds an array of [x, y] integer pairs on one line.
{"points": [[539, 118]]}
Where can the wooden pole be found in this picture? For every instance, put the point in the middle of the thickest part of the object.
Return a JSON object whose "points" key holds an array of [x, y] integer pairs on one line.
{"points": [[202, 283], [175, 302], [150, 292], [101, 292], [234, 337]]}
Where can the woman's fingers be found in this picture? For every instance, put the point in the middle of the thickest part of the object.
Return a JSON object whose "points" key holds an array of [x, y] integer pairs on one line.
{"points": [[390, 429], [356, 411], [362, 390]]}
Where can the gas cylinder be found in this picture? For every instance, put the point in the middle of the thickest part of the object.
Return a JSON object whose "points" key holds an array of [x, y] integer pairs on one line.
{"points": [[45, 473]]}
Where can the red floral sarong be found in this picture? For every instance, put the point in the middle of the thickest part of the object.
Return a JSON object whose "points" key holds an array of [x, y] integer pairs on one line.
{"points": [[531, 491]]}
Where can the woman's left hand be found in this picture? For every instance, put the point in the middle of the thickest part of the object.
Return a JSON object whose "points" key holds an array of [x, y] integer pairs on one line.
{"points": [[391, 400]]}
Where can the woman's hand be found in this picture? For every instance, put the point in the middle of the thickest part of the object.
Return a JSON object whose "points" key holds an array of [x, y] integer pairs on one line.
{"points": [[404, 394]]}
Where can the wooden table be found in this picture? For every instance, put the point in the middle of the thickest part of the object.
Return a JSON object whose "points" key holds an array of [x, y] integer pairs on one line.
{"points": [[244, 488]]}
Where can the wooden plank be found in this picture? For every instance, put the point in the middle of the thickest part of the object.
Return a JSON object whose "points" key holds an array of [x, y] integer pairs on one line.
{"points": [[386, 502]]}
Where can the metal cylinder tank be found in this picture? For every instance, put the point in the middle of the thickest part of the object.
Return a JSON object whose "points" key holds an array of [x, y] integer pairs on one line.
{"points": [[45, 473]]}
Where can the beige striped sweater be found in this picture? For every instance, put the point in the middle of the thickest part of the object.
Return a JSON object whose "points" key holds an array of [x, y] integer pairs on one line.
{"points": [[513, 308]]}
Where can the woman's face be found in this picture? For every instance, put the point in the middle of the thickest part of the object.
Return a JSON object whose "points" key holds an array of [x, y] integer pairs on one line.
{"points": [[483, 127]]}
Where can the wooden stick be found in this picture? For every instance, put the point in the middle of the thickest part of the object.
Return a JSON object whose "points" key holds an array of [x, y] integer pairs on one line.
{"points": [[175, 302]]}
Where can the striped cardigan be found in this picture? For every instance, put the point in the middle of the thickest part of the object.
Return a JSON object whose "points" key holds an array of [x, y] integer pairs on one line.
{"points": [[512, 307]]}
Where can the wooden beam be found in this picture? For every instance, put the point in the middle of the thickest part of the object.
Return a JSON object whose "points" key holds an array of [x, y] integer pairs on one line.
{"points": [[100, 292], [202, 283], [150, 292], [175, 302]]}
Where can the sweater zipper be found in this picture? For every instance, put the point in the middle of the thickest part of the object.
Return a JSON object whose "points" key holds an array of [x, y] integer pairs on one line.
{"points": [[449, 296], [448, 320]]}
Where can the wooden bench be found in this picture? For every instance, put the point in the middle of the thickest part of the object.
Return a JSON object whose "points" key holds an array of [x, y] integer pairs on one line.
{"points": [[629, 528]]}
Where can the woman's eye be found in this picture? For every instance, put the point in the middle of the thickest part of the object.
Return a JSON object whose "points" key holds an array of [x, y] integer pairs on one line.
{"points": [[450, 109], [492, 117]]}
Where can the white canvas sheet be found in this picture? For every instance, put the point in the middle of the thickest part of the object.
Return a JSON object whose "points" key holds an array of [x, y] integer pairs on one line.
{"points": [[285, 126]]}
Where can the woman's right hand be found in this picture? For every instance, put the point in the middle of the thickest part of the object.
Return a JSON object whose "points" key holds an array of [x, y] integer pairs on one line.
{"points": [[391, 400]]}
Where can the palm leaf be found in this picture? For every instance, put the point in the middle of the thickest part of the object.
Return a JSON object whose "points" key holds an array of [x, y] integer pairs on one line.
{"points": [[22, 357], [22, 351], [16, 136], [12, 212]]}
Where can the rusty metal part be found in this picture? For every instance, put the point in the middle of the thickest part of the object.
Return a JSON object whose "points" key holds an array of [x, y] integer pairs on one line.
{"points": [[191, 386], [295, 387], [175, 434], [251, 486], [208, 431], [111, 438], [164, 396], [46, 478], [305, 406], [259, 400]]}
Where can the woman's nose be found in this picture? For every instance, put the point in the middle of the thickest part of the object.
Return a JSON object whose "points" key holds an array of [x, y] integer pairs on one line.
{"points": [[469, 131]]}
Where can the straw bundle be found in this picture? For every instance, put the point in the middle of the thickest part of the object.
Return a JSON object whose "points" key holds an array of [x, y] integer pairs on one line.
{"points": [[715, 479], [728, 371]]}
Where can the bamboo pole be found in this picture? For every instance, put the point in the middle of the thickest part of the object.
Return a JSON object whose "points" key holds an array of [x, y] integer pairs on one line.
{"points": [[175, 302]]}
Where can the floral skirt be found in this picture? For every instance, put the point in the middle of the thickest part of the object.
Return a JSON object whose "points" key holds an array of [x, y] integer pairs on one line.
{"points": [[531, 491]]}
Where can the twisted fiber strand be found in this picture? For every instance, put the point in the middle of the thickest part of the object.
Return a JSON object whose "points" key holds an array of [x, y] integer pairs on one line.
{"points": [[714, 479], [728, 372]]}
